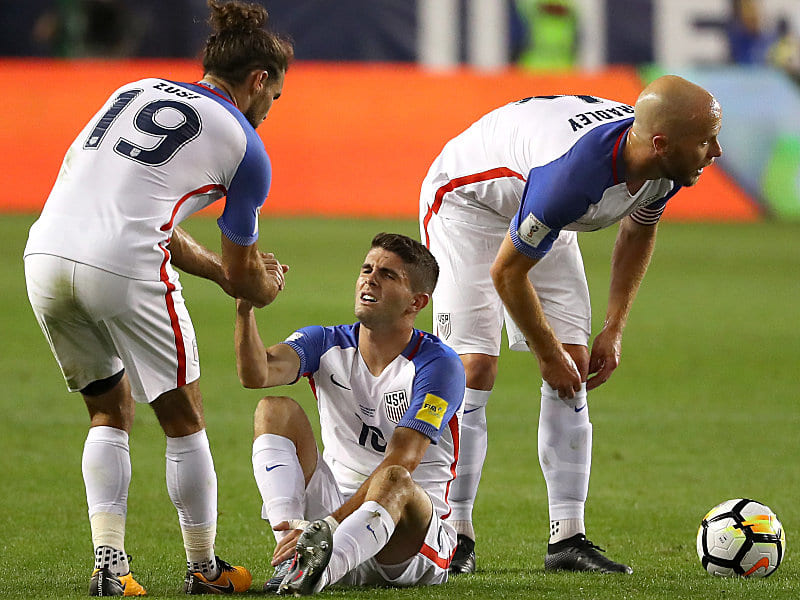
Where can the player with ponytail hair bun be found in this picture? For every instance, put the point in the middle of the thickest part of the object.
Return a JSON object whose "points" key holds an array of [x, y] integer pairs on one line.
{"points": [[155, 153]]}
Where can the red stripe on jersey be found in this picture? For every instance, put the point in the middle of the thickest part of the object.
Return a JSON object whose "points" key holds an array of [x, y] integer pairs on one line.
{"points": [[431, 554], [173, 319], [227, 99], [416, 348], [614, 155], [498, 173], [453, 425], [202, 190], [312, 384]]}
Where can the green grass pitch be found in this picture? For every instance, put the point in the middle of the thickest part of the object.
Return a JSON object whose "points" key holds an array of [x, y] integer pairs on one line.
{"points": [[704, 407]]}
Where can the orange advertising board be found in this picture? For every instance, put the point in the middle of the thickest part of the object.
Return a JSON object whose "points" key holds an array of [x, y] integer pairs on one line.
{"points": [[344, 139]]}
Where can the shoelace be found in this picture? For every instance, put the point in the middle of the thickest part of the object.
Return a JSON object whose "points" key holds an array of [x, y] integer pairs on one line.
{"points": [[224, 566], [591, 545]]}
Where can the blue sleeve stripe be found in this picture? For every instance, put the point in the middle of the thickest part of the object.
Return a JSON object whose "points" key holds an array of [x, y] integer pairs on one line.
{"points": [[236, 238], [303, 363], [524, 248], [424, 428]]}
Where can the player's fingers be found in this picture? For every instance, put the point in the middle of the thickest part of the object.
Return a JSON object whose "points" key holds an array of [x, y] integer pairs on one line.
{"points": [[282, 526], [285, 548], [602, 376], [566, 391]]}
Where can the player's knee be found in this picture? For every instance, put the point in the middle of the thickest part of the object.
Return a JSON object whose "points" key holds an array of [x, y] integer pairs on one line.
{"points": [[275, 413], [102, 386], [392, 479], [481, 370]]}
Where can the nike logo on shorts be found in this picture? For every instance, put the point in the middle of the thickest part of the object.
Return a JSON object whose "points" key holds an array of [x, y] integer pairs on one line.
{"points": [[268, 468], [580, 408]]}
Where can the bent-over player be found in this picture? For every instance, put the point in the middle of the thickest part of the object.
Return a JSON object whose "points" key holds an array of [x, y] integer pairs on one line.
{"points": [[500, 209]]}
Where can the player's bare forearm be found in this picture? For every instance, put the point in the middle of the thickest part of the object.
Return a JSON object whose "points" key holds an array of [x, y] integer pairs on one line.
{"points": [[256, 366], [251, 358], [510, 277], [406, 448], [192, 257], [252, 275], [630, 259]]}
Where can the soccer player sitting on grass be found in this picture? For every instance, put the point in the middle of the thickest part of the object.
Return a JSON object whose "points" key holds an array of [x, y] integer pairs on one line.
{"points": [[389, 399]]}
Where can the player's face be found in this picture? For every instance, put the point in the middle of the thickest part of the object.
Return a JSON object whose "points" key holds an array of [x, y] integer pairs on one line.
{"points": [[383, 290], [271, 90], [684, 159]]}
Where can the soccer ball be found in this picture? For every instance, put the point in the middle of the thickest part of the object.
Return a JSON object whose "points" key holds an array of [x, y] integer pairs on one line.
{"points": [[741, 537]]}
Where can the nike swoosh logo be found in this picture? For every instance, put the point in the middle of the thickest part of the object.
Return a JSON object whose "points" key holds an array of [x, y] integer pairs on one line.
{"points": [[225, 589], [580, 408], [336, 383], [273, 467], [372, 531], [466, 412]]}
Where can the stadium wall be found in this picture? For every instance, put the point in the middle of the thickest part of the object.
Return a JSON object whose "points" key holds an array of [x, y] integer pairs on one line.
{"points": [[345, 139]]}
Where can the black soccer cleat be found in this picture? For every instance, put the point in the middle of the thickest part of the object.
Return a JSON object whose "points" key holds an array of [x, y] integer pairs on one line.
{"points": [[312, 554], [576, 553], [274, 582], [105, 583], [463, 560]]}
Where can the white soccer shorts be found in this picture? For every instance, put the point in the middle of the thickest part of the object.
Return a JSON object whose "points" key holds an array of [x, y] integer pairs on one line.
{"points": [[467, 312], [428, 567], [97, 322]]}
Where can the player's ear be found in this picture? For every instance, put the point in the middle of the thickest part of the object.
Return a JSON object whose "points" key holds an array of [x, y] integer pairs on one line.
{"points": [[420, 301], [660, 143], [258, 78]]}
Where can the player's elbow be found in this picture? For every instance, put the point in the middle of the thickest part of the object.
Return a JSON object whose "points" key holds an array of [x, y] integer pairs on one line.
{"points": [[500, 279], [251, 377], [251, 381]]}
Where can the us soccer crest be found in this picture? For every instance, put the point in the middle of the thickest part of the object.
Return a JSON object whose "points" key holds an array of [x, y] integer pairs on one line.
{"points": [[443, 325], [396, 405]]}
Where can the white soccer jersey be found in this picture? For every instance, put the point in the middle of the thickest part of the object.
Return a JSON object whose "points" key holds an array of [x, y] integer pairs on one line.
{"points": [[156, 152], [423, 389], [542, 164]]}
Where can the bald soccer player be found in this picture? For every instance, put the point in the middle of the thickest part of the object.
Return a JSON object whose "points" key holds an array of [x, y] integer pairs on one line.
{"points": [[500, 210]]}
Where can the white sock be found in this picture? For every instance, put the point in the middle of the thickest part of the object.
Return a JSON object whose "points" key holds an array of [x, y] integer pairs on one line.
{"points": [[471, 455], [106, 466], [359, 537], [280, 479], [565, 455], [192, 487], [565, 528], [464, 528]]}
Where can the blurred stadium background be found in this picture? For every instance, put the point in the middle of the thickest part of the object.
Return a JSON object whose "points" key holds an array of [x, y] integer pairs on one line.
{"points": [[705, 405], [385, 82]]}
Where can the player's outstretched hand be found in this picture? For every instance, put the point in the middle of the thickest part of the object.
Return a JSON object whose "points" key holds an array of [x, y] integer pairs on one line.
{"points": [[561, 373], [285, 548], [604, 359], [274, 269]]}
